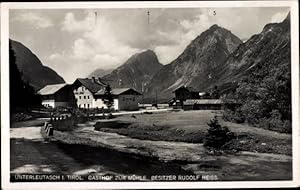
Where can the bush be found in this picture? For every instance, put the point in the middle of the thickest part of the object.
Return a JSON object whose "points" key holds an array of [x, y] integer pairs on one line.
{"points": [[234, 116], [217, 136], [20, 117], [275, 123]]}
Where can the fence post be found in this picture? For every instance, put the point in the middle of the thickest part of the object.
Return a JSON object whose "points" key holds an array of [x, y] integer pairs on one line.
{"points": [[46, 124], [50, 131]]}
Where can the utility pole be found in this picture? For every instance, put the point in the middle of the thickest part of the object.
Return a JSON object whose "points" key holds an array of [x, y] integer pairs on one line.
{"points": [[156, 97], [96, 15], [120, 83], [148, 14], [143, 93]]}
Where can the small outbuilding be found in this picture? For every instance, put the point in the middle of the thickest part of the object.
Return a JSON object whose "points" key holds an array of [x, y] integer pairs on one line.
{"points": [[57, 95], [203, 104], [124, 98]]}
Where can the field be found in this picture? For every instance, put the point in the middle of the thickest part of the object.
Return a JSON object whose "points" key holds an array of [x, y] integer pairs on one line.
{"points": [[191, 126]]}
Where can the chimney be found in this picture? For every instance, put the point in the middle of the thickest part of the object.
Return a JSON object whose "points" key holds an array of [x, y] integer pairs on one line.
{"points": [[93, 79], [100, 80]]}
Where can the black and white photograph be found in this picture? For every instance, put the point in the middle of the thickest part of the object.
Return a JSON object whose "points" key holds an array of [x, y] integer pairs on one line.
{"points": [[128, 93]]}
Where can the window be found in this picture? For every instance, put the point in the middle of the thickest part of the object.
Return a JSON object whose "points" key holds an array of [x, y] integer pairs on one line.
{"points": [[79, 97], [84, 105], [88, 97], [88, 105], [83, 97], [133, 99]]}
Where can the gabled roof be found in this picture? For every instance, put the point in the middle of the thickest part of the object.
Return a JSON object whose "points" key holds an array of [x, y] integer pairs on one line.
{"points": [[189, 88], [51, 89], [202, 101], [117, 91], [91, 85]]}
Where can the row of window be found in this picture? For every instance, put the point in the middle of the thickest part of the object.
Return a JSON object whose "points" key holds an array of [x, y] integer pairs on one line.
{"points": [[80, 89], [47, 105], [84, 105], [84, 97], [128, 99]]}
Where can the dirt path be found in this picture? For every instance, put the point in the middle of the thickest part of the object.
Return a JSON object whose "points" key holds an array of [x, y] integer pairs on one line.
{"points": [[31, 154]]}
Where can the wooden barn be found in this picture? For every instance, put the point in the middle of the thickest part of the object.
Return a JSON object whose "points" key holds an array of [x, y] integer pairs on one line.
{"points": [[57, 95], [203, 104], [185, 92]]}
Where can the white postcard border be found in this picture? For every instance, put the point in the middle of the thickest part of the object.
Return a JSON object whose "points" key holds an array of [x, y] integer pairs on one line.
{"points": [[5, 151]]}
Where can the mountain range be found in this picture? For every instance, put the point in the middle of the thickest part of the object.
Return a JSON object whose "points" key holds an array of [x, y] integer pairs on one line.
{"points": [[100, 73], [267, 50], [33, 71], [215, 57]]}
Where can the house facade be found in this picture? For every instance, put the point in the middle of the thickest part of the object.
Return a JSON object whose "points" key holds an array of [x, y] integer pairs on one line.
{"points": [[84, 91], [57, 95]]}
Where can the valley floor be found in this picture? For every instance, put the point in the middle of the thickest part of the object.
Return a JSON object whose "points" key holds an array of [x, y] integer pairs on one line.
{"points": [[150, 152], [191, 126]]}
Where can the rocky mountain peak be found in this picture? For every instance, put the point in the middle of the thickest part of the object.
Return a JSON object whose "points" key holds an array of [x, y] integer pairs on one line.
{"points": [[142, 57], [214, 27], [136, 71], [216, 36], [197, 64]]}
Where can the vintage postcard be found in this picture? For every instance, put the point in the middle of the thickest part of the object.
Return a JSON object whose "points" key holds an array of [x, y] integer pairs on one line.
{"points": [[146, 95]]}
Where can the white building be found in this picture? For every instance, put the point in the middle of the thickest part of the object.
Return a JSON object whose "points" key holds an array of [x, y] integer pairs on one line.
{"points": [[84, 91], [89, 93]]}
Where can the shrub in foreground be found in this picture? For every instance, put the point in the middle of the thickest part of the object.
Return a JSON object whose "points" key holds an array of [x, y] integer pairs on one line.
{"points": [[217, 136]]}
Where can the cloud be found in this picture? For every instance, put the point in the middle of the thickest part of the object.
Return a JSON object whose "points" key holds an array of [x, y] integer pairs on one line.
{"points": [[79, 41], [34, 19], [97, 46], [70, 24]]}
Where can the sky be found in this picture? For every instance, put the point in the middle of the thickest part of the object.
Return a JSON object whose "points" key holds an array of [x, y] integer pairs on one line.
{"points": [[75, 42]]}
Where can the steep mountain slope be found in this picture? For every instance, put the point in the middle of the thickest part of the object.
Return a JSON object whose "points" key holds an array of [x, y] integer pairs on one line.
{"points": [[270, 48], [135, 72], [100, 73], [197, 65], [33, 72], [261, 72]]}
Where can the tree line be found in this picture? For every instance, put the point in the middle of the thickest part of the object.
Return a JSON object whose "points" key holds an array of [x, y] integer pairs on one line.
{"points": [[22, 94]]}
